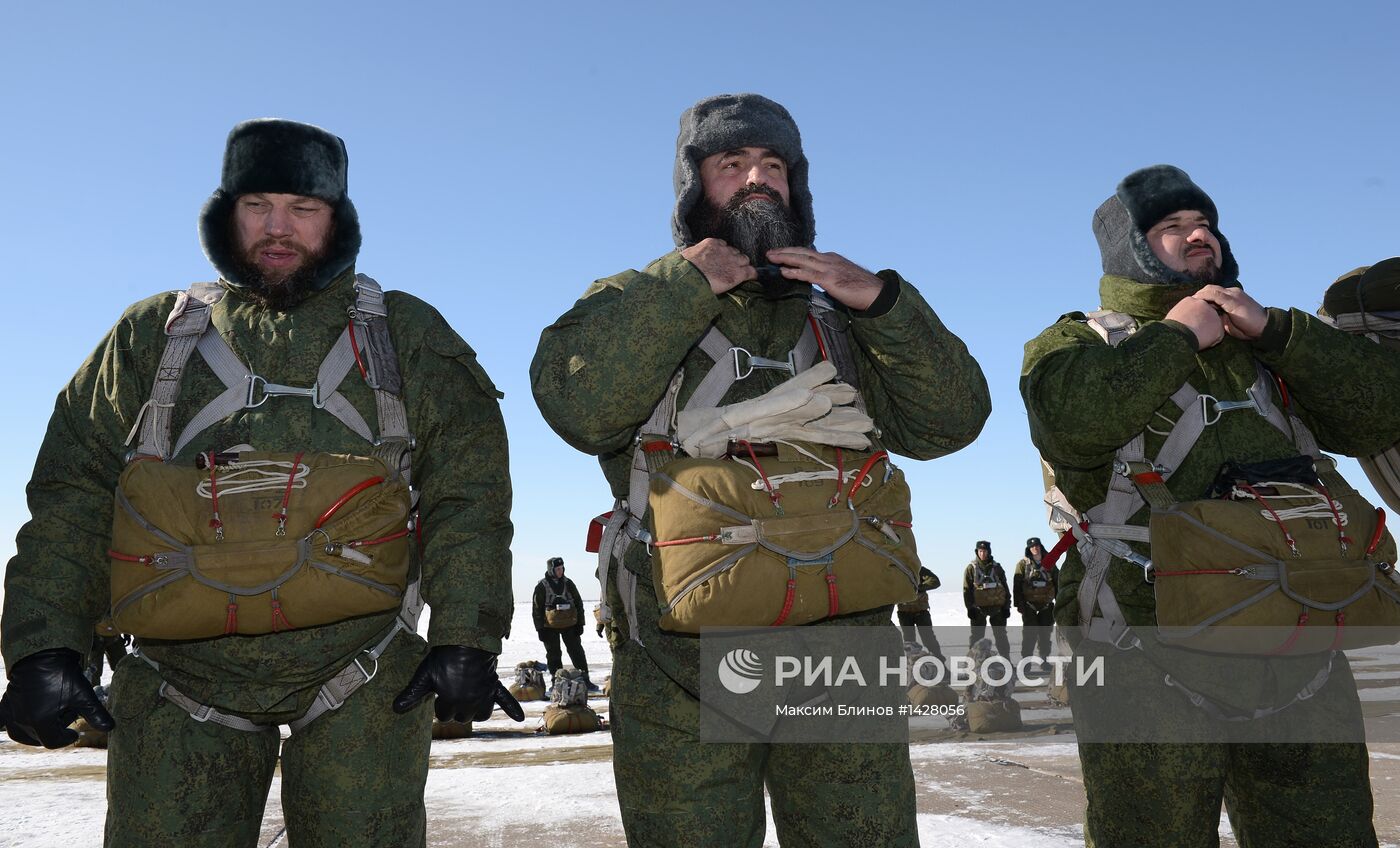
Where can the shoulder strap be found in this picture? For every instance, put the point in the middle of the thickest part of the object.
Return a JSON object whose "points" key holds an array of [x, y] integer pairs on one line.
{"points": [[186, 324]]}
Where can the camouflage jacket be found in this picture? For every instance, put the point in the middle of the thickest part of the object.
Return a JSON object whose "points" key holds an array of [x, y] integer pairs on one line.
{"points": [[983, 571], [603, 366], [56, 587], [1085, 399]]}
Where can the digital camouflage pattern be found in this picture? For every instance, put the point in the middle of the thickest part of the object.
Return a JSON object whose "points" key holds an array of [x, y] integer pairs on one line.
{"points": [[849, 794], [56, 587], [353, 777], [601, 369], [1084, 400]]}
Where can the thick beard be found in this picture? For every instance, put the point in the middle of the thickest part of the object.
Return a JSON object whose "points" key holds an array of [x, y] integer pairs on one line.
{"points": [[752, 228], [1209, 275], [280, 293]]}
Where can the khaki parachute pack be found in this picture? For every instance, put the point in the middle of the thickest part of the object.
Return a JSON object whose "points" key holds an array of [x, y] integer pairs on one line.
{"points": [[993, 716], [253, 542], [1366, 302], [1288, 559], [785, 531], [1037, 587], [529, 681], [988, 593], [559, 610], [568, 711]]}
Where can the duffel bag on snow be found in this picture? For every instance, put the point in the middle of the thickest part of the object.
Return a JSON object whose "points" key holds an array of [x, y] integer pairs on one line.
{"points": [[993, 716], [790, 535], [255, 542], [529, 682]]}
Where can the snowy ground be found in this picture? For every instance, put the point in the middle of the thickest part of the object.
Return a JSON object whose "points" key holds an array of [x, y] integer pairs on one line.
{"points": [[494, 788]]}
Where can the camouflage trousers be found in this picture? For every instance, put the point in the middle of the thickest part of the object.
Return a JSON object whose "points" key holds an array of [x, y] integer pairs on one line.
{"points": [[1151, 794], [675, 790], [353, 777]]}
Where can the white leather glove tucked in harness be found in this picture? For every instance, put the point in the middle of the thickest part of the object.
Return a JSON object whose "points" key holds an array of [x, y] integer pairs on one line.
{"points": [[807, 408]]}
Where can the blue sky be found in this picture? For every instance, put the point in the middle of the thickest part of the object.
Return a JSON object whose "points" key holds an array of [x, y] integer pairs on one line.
{"points": [[503, 156]]}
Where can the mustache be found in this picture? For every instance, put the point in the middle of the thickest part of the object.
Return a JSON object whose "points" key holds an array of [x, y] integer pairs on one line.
{"points": [[742, 195], [284, 243]]}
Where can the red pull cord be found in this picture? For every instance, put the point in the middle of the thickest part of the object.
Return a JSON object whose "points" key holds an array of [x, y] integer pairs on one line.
{"points": [[864, 470], [355, 348], [287, 494], [1380, 531], [326, 516], [773, 494]]}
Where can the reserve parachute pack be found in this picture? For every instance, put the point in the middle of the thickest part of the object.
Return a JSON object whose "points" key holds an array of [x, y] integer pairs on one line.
{"points": [[988, 593], [568, 711], [773, 511], [1286, 550], [251, 542], [1037, 586], [1366, 302], [559, 610], [529, 681]]}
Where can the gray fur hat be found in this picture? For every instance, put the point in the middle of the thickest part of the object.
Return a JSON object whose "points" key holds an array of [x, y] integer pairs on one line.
{"points": [[729, 121], [281, 157], [1143, 198]]}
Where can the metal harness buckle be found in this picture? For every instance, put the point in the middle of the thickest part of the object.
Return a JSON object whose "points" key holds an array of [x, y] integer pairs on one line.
{"points": [[1223, 406], [756, 362], [278, 390]]}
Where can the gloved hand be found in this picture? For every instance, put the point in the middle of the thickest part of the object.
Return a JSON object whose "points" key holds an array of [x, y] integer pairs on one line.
{"points": [[465, 682], [48, 692], [807, 407]]}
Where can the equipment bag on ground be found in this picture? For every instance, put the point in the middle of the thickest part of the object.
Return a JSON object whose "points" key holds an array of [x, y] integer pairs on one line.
{"points": [[993, 716], [529, 682], [575, 718]]}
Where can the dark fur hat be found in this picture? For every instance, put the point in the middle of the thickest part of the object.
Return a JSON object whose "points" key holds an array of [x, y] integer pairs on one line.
{"points": [[1143, 198], [730, 121], [282, 157]]}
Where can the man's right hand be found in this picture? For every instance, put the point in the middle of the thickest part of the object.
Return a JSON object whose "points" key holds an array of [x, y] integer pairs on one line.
{"points": [[724, 267], [1202, 319], [48, 692]]}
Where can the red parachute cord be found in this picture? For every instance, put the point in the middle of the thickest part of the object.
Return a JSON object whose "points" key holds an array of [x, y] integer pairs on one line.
{"points": [[690, 541], [215, 522], [278, 615], [1380, 531], [864, 470], [840, 478], [355, 349], [816, 331], [355, 490], [287, 495], [832, 601], [1293, 637], [365, 543], [231, 621], [1341, 622], [788, 599], [1342, 538], [1287, 537], [773, 494], [1066, 540], [121, 557]]}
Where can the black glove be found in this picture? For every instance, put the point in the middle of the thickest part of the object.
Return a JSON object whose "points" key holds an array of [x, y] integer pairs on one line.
{"points": [[464, 680], [48, 692]]}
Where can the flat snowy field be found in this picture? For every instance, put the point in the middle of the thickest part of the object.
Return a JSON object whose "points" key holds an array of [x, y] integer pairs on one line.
{"points": [[508, 785]]}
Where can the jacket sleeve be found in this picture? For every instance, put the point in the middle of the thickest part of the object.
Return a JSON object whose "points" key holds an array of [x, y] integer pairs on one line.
{"points": [[1069, 374], [920, 384], [537, 607], [600, 369], [57, 586], [1018, 586], [968, 596], [1005, 607], [1342, 386], [461, 466]]}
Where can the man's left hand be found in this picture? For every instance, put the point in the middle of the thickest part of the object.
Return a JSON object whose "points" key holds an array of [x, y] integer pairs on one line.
{"points": [[846, 282], [465, 683], [1243, 316]]}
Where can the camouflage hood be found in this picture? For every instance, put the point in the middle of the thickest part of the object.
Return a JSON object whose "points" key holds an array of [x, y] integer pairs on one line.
{"points": [[729, 121]]}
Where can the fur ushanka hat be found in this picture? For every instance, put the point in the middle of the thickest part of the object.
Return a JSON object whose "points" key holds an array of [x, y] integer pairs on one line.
{"points": [[1143, 198], [281, 157], [727, 122]]}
